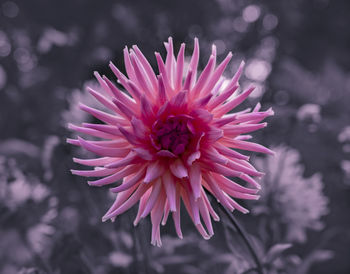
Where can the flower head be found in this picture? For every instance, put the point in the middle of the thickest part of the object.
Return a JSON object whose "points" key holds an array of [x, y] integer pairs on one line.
{"points": [[169, 137]]}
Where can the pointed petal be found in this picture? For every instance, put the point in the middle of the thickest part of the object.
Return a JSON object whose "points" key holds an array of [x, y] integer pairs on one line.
{"points": [[115, 177], [233, 103], [195, 179], [156, 188], [130, 182], [154, 170], [179, 67], [103, 151], [170, 189]]}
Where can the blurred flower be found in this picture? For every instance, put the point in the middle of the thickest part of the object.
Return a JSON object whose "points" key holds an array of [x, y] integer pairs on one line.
{"points": [[345, 165], [344, 138], [309, 112], [344, 135], [297, 201], [16, 188], [171, 139], [53, 37], [120, 259], [74, 114]]}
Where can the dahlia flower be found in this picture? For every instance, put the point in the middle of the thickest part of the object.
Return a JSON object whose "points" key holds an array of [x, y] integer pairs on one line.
{"points": [[168, 137]]}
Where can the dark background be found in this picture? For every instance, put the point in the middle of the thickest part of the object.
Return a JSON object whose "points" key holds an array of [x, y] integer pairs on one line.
{"points": [[297, 53]]}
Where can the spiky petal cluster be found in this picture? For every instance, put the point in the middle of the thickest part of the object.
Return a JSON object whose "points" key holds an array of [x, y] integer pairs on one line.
{"points": [[169, 138]]}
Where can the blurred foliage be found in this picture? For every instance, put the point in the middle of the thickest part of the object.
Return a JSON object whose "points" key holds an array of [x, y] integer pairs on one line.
{"points": [[297, 56]]}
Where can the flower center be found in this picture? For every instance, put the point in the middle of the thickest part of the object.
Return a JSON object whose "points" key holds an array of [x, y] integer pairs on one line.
{"points": [[173, 134]]}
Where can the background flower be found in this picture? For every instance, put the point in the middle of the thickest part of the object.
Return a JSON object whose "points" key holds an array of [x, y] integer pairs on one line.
{"points": [[298, 202]]}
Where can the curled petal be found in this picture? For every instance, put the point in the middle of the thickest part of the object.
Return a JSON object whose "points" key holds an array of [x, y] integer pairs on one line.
{"points": [[178, 169]]}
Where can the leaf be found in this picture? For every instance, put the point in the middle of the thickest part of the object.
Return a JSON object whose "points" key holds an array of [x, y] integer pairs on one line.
{"points": [[275, 251]]}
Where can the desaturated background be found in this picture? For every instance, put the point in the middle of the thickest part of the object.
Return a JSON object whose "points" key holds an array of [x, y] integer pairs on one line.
{"points": [[297, 54]]}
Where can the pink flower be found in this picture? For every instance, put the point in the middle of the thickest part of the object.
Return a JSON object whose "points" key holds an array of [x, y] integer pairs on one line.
{"points": [[169, 138]]}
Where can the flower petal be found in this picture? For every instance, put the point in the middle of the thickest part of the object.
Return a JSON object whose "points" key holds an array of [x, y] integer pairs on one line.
{"points": [[178, 169]]}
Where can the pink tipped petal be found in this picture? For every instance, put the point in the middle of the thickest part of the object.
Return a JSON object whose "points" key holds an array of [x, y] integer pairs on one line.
{"points": [[195, 179], [120, 95], [239, 167], [212, 212], [131, 158], [134, 198], [170, 60], [156, 217], [128, 66], [229, 184], [179, 67], [214, 134], [242, 128], [194, 62], [178, 169], [147, 67], [146, 108], [233, 103], [193, 157], [154, 170], [219, 194], [189, 77], [250, 180], [166, 213], [91, 132], [239, 144], [94, 173], [156, 188], [144, 153], [166, 153], [165, 76], [206, 216], [102, 99], [203, 78], [94, 162], [238, 73], [216, 101], [176, 217], [103, 151], [103, 84], [142, 205], [131, 138], [212, 155], [109, 129], [141, 76], [179, 101], [127, 184], [221, 169], [120, 199], [217, 73], [127, 112], [162, 96], [203, 101], [169, 185], [230, 152], [115, 177], [134, 90], [103, 116]]}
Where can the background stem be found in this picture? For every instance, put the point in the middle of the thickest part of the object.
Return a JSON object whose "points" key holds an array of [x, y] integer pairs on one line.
{"points": [[242, 233]]}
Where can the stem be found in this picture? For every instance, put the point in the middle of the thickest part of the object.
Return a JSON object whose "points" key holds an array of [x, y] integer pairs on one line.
{"points": [[242, 233]]}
